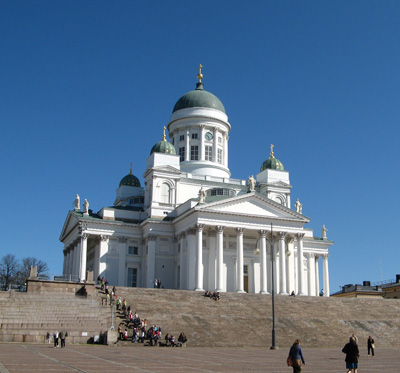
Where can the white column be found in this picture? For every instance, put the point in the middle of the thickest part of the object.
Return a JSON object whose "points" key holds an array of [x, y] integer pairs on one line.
{"points": [[239, 262], [183, 265], [82, 266], [102, 264], [220, 258], [202, 147], [326, 275], [311, 274], [151, 261], [77, 256], [289, 268], [73, 259], [215, 146], [300, 266], [191, 260], [282, 264], [122, 260], [199, 261], [187, 153], [70, 260], [263, 262], [212, 270], [316, 275], [225, 150]]}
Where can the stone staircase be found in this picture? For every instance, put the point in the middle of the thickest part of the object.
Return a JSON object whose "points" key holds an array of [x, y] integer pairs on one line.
{"points": [[246, 319], [26, 317], [240, 320]]}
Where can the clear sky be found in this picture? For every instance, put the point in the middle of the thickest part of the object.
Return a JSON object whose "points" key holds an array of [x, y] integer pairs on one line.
{"points": [[87, 86]]}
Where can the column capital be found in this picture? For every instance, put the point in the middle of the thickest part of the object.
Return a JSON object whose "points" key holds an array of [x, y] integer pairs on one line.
{"points": [[84, 236], [191, 231], [123, 239], [281, 235], [152, 237], [220, 228], [299, 236], [104, 237], [239, 231], [199, 227], [325, 256], [82, 227], [263, 233]]}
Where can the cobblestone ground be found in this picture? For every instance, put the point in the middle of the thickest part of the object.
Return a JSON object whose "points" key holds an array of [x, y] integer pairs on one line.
{"points": [[23, 357]]}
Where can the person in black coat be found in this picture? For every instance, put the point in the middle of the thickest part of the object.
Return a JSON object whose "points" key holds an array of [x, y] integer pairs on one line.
{"points": [[371, 346], [352, 354]]}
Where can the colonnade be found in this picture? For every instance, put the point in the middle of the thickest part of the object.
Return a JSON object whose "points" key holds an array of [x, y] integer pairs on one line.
{"points": [[279, 246]]}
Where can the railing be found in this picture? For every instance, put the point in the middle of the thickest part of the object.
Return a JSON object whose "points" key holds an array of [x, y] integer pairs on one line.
{"points": [[68, 278], [384, 282]]}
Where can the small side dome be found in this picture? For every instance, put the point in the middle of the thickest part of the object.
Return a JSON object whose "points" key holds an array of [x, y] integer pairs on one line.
{"points": [[199, 98], [163, 146], [130, 180], [272, 163]]}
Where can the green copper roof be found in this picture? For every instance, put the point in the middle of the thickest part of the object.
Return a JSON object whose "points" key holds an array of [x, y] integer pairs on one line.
{"points": [[199, 98], [130, 180], [273, 164], [163, 146]]}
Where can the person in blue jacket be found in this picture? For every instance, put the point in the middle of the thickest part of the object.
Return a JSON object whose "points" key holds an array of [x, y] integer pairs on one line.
{"points": [[296, 355]]}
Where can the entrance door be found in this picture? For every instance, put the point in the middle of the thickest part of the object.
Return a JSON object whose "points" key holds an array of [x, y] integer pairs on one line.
{"points": [[246, 278]]}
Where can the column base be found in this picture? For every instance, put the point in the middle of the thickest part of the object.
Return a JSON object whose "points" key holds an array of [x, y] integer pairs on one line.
{"points": [[283, 293], [198, 289], [264, 292], [240, 291], [220, 290]]}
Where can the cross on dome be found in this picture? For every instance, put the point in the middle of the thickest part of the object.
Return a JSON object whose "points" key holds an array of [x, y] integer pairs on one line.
{"points": [[272, 150], [200, 75]]}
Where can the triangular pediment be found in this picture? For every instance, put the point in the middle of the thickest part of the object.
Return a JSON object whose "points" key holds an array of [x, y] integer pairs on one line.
{"points": [[254, 205], [167, 169], [70, 223]]}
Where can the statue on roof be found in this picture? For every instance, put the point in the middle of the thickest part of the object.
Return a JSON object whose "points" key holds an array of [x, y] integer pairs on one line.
{"points": [[77, 203], [298, 206], [86, 207], [323, 232], [251, 182], [202, 195]]}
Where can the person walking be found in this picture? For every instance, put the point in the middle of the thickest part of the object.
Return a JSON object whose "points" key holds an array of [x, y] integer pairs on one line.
{"points": [[371, 346], [296, 357], [352, 354], [55, 336]]}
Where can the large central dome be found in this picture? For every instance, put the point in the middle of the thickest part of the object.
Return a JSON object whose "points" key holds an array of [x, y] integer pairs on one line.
{"points": [[199, 98]]}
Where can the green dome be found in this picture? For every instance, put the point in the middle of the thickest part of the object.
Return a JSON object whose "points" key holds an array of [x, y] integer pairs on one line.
{"points": [[163, 146], [130, 180], [199, 98], [273, 164]]}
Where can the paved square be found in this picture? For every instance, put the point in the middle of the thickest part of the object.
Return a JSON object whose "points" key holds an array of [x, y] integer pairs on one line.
{"points": [[23, 357]]}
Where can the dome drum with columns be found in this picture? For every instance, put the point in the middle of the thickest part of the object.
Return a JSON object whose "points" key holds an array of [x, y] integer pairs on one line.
{"points": [[194, 227]]}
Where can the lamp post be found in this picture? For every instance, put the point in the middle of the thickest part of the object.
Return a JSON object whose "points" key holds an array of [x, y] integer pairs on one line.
{"points": [[273, 346]]}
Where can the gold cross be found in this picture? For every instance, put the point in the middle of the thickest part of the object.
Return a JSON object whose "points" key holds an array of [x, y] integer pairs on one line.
{"points": [[272, 151], [200, 75]]}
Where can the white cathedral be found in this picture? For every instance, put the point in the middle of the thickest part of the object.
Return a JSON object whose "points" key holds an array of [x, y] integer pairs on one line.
{"points": [[194, 227]]}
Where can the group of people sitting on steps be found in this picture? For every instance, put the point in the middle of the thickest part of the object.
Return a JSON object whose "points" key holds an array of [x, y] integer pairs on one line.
{"points": [[212, 294], [140, 332]]}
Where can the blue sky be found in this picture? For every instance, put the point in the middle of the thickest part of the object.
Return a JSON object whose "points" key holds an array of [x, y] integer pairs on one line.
{"points": [[86, 87]]}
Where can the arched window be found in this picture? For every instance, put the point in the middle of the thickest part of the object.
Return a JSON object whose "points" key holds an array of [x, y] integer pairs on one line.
{"points": [[165, 193]]}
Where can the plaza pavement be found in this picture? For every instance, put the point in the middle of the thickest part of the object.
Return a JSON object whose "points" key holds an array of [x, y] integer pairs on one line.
{"points": [[24, 357]]}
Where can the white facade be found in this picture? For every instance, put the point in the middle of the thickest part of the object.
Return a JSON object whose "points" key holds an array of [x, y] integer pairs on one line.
{"points": [[223, 242]]}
